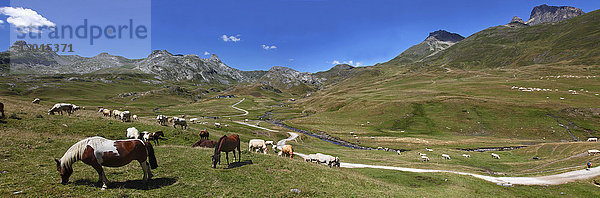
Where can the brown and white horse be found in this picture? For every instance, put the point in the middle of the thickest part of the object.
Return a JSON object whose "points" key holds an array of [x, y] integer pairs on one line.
{"points": [[98, 152], [226, 144]]}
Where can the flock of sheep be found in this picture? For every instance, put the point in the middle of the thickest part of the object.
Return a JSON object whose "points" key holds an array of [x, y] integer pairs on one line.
{"points": [[425, 158]]}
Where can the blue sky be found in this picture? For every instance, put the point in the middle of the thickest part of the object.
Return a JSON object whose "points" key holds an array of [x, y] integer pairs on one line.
{"points": [[309, 35]]}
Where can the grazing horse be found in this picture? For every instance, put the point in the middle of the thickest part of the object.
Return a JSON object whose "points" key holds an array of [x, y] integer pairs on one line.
{"points": [[226, 144], [204, 135], [155, 137], [98, 152]]}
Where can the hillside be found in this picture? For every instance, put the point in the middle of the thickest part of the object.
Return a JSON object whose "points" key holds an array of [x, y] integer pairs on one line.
{"points": [[572, 41], [436, 42]]}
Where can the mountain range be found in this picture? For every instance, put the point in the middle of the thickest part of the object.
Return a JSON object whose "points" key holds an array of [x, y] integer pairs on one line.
{"points": [[548, 36]]}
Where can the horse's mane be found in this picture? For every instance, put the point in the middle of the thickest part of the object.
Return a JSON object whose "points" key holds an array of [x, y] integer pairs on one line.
{"points": [[219, 144], [75, 152]]}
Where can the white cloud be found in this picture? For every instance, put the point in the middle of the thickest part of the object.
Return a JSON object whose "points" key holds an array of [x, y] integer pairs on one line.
{"points": [[206, 53], [231, 38], [266, 47], [1, 22], [291, 60], [336, 62], [25, 19]]}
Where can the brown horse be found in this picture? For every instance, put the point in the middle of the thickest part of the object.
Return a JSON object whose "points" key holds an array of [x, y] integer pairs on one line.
{"points": [[226, 144], [204, 134], [205, 143], [98, 152]]}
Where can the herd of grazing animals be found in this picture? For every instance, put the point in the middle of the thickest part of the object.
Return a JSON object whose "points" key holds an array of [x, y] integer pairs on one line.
{"points": [[137, 146]]}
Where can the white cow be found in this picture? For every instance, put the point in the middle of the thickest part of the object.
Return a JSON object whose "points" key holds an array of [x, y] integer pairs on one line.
{"points": [[134, 117], [133, 133], [60, 107], [465, 155], [428, 149], [445, 156], [326, 159], [36, 101], [425, 158], [218, 125], [496, 156], [422, 154], [592, 139], [125, 116], [257, 145]]}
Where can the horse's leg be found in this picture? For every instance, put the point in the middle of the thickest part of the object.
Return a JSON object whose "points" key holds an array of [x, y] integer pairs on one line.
{"points": [[145, 168], [227, 157]]}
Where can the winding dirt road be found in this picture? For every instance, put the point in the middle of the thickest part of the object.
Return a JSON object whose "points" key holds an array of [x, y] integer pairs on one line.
{"points": [[556, 179], [239, 109]]}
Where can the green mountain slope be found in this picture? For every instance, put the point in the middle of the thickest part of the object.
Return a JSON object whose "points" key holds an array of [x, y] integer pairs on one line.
{"points": [[574, 41]]}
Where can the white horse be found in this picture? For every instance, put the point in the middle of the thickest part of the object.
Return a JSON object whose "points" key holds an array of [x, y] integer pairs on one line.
{"points": [[133, 133]]}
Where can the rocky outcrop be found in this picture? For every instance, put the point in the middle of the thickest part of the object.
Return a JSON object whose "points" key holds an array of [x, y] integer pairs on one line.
{"points": [[516, 22], [167, 66], [549, 14], [436, 41], [286, 78]]}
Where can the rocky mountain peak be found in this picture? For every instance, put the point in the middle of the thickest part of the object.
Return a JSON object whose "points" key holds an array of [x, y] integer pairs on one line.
{"points": [[517, 19], [549, 14], [443, 35], [214, 58], [342, 67]]}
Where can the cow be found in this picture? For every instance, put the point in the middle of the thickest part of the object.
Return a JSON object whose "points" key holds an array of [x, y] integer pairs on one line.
{"points": [[287, 150], [179, 121], [125, 116], [257, 145], [36, 101], [60, 107], [162, 120]]}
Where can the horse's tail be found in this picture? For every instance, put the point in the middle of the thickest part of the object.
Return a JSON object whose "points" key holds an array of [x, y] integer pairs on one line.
{"points": [[151, 156]]}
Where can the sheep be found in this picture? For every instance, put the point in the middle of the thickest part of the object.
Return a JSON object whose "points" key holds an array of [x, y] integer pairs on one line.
{"points": [[134, 117], [496, 156], [592, 139], [133, 133], [422, 154], [257, 145], [218, 125], [445, 156], [465, 155], [428, 149]]}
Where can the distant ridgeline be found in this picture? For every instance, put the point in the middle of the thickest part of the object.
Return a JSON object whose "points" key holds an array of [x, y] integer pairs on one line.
{"points": [[552, 34]]}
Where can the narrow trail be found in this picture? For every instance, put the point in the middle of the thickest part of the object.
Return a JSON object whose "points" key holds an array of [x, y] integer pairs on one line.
{"points": [[556, 179], [239, 109]]}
